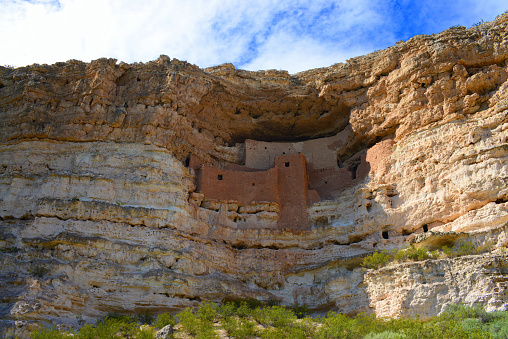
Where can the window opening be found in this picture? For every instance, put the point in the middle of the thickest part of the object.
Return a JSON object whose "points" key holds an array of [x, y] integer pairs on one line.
{"points": [[353, 171]]}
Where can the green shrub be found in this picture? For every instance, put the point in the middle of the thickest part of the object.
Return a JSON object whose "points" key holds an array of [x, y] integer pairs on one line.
{"points": [[412, 253], [297, 331], [376, 260], [459, 321], [276, 316], [48, 334], [380, 259], [466, 248], [249, 302], [145, 318], [448, 252], [245, 311], [300, 311], [110, 327], [385, 335], [470, 325], [164, 320], [365, 323], [227, 310], [475, 321], [273, 302], [461, 312], [189, 321], [334, 325], [146, 332], [435, 254], [199, 325], [498, 326], [239, 328], [207, 312]]}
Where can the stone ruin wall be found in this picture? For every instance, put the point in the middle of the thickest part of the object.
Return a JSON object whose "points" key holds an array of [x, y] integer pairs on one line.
{"points": [[244, 187], [285, 184], [320, 153], [324, 174], [279, 172], [293, 190]]}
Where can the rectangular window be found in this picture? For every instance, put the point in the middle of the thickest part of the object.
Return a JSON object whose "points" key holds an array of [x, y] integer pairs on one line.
{"points": [[219, 177]]}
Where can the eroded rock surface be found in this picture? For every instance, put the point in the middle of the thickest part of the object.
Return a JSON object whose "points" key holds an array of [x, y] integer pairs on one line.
{"points": [[99, 210], [426, 288]]}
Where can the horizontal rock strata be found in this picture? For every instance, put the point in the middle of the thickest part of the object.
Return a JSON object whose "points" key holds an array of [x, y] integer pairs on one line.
{"points": [[99, 210]]}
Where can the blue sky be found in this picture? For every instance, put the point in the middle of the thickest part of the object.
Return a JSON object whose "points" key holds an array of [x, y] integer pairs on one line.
{"points": [[293, 35]]}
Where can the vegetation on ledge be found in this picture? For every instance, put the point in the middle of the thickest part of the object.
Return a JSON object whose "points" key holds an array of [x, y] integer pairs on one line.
{"points": [[379, 259], [241, 320]]}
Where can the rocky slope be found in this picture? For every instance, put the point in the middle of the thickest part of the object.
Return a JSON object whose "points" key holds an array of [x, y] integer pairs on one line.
{"points": [[98, 214]]}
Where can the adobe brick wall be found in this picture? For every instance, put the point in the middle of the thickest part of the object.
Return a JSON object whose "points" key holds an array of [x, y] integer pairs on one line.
{"points": [[293, 187], [285, 184], [244, 187], [378, 157], [328, 181], [312, 197], [241, 168], [261, 154], [195, 162], [319, 153]]}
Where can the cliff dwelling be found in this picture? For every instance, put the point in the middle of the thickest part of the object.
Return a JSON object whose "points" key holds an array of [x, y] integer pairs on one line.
{"points": [[147, 188], [289, 175]]}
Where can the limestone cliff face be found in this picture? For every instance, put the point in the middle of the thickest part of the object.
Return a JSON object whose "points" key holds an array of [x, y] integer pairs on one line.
{"points": [[100, 210]]}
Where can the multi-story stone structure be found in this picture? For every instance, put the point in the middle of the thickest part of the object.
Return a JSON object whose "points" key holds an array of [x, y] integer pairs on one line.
{"points": [[293, 175]]}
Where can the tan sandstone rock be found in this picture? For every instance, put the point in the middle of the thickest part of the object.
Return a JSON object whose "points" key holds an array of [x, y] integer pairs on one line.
{"points": [[100, 210]]}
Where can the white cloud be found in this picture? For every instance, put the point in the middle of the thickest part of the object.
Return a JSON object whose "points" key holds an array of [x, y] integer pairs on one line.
{"points": [[284, 52], [285, 34]]}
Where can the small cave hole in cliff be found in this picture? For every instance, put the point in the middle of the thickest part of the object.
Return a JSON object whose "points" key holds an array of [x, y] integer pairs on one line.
{"points": [[501, 200], [353, 170], [240, 246], [384, 234], [425, 228]]}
